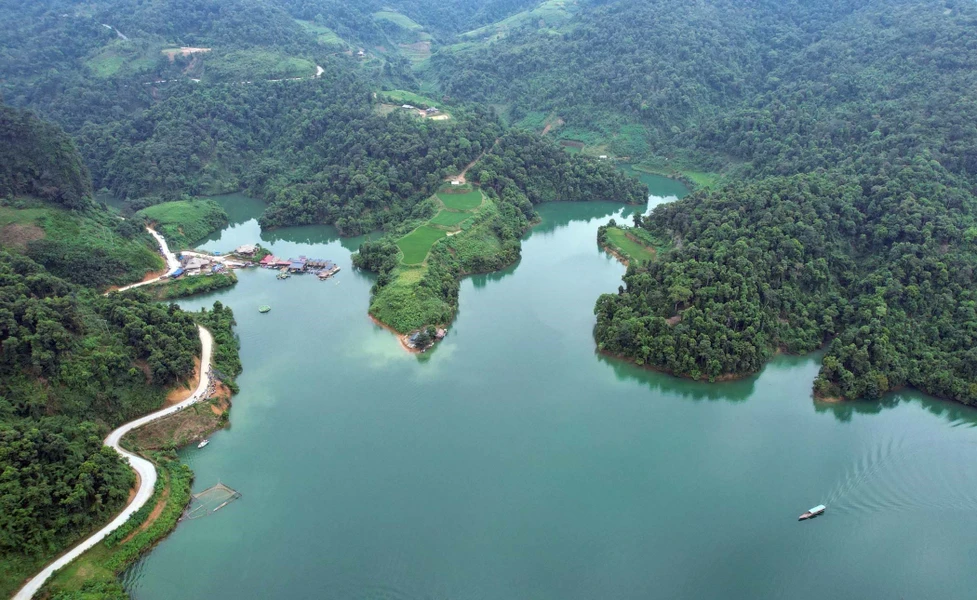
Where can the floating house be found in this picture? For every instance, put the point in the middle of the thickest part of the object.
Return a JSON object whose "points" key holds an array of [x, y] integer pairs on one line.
{"points": [[296, 266], [268, 261]]}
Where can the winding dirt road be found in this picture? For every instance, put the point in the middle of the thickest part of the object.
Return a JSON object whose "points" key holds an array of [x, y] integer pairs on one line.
{"points": [[143, 468], [172, 264]]}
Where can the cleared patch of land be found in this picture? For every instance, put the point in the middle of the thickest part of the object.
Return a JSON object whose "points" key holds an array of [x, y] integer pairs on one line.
{"points": [[324, 35], [417, 52], [546, 15], [183, 50], [449, 218], [398, 19], [416, 244], [460, 201], [628, 246]]}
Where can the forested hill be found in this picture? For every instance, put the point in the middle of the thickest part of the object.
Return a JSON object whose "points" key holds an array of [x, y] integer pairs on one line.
{"points": [[39, 159], [772, 87]]}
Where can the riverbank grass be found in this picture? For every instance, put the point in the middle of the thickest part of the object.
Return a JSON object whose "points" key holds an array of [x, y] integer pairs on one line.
{"points": [[626, 244]]}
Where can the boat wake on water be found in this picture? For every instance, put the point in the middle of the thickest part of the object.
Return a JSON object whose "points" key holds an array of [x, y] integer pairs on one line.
{"points": [[896, 476]]}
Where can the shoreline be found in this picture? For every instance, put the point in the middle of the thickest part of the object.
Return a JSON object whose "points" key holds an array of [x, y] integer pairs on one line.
{"points": [[606, 247], [724, 378], [402, 338]]}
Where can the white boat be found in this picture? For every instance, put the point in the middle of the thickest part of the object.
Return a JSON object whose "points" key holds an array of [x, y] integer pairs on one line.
{"points": [[203, 443], [813, 512]]}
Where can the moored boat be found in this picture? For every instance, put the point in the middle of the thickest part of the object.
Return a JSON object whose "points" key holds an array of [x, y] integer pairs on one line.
{"points": [[203, 443], [817, 510]]}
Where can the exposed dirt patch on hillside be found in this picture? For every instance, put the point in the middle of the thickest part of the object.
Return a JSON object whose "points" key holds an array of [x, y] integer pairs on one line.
{"points": [[17, 235]]}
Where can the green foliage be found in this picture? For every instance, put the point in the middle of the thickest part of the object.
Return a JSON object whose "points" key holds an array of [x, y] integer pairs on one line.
{"points": [[39, 159], [73, 364], [58, 482], [188, 286], [220, 321], [89, 247], [248, 65], [185, 222], [94, 576], [519, 170], [871, 265]]}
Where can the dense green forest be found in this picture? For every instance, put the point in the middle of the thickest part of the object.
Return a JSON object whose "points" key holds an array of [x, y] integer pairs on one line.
{"points": [[39, 159]]}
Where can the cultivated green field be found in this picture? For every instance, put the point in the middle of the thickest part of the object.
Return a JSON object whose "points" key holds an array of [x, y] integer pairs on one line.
{"points": [[416, 244], [550, 13], [397, 19], [449, 219], [626, 246], [404, 97], [466, 201], [241, 65], [324, 35]]}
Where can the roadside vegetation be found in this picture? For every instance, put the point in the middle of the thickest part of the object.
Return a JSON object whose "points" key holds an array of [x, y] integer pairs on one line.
{"points": [[188, 286]]}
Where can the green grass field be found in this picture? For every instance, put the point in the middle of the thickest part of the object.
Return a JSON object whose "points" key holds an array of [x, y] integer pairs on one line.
{"points": [[466, 201], [630, 249], [449, 219], [186, 221], [416, 244], [404, 97], [242, 65], [324, 35], [397, 19], [548, 14]]}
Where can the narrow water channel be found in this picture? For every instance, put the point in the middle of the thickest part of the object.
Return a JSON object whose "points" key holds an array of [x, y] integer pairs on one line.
{"points": [[514, 462]]}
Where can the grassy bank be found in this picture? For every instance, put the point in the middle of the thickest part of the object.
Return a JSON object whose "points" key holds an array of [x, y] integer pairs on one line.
{"points": [[688, 175], [629, 244], [189, 286], [185, 222]]}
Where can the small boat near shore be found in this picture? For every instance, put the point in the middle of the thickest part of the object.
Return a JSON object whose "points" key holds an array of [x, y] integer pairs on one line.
{"points": [[202, 444], [813, 512]]}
